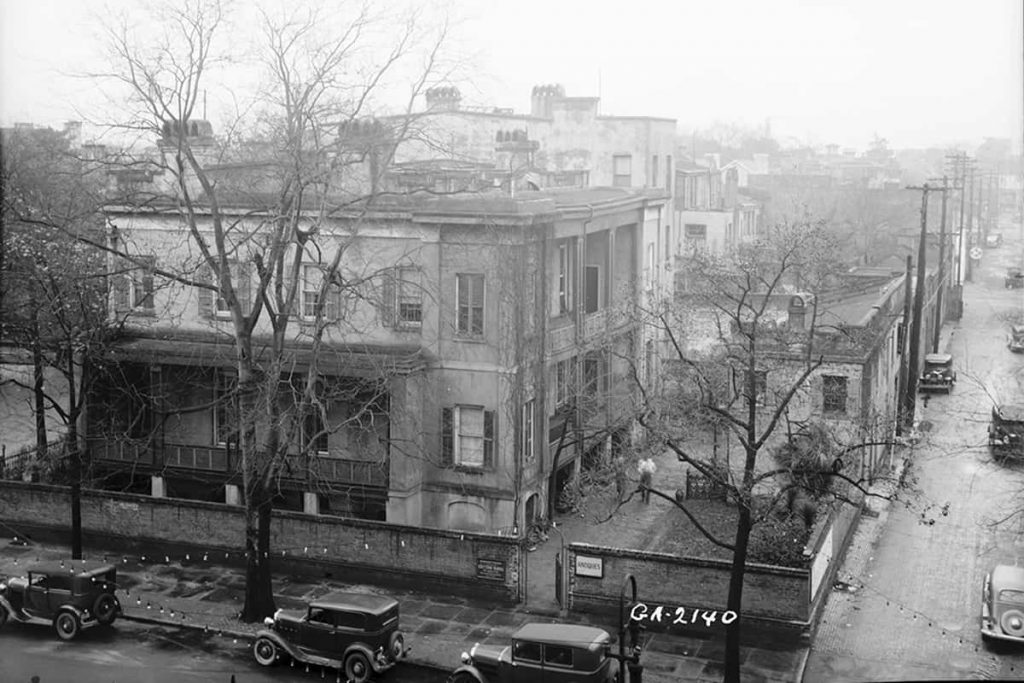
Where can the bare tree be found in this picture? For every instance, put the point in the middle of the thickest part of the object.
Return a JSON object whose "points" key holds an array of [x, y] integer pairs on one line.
{"points": [[261, 213], [741, 362], [54, 292]]}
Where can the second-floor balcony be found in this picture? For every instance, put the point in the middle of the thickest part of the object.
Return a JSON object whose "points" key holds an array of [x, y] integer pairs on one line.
{"points": [[221, 459]]}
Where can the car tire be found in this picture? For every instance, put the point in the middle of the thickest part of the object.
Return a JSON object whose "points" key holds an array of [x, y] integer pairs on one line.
{"points": [[265, 651], [105, 609], [357, 668], [66, 625], [396, 646], [463, 677]]}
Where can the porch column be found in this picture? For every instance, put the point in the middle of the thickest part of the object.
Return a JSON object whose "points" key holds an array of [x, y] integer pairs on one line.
{"points": [[156, 485], [310, 503], [232, 495]]}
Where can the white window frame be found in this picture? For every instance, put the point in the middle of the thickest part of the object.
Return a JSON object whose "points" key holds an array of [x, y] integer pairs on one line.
{"points": [[528, 437], [305, 312], [622, 170], [220, 307], [138, 292], [461, 280], [409, 292], [565, 278], [458, 424]]}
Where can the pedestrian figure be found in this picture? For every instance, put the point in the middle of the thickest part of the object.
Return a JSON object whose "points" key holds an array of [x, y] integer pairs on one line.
{"points": [[646, 468]]}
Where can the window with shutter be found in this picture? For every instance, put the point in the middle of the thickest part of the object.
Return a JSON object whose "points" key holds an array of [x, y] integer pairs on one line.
{"points": [[141, 285], [468, 436], [410, 298]]}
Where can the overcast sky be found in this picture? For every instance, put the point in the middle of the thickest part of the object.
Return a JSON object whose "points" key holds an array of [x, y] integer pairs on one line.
{"points": [[917, 72]]}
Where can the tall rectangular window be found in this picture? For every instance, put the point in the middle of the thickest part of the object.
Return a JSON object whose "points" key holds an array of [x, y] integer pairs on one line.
{"points": [[141, 284], [564, 379], [468, 436], [669, 176], [312, 286], [654, 171], [410, 298], [527, 437], [314, 432], [622, 170], [833, 394], [469, 294]]}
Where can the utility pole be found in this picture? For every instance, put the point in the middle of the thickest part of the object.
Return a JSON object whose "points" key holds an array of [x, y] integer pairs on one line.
{"points": [[901, 407], [970, 226], [940, 316], [915, 328]]}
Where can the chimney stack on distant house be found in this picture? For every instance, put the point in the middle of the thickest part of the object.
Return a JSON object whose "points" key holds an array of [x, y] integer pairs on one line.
{"points": [[541, 98], [443, 98], [73, 132]]}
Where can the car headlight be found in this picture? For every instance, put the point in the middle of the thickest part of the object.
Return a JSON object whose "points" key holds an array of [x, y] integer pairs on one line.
{"points": [[465, 658], [269, 621]]}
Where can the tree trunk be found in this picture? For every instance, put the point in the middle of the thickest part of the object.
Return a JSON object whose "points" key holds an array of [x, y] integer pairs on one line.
{"points": [[259, 594], [259, 591], [75, 463], [39, 395], [735, 600]]}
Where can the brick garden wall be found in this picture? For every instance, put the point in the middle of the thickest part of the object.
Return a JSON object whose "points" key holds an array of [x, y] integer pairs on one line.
{"points": [[775, 594], [356, 550]]}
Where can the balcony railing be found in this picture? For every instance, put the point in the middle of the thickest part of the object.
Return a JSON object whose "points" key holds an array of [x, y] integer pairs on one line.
{"points": [[220, 459]]}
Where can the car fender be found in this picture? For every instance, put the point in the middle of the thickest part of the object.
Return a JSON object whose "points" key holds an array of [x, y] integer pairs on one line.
{"points": [[280, 642], [471, 670], [370, 655]]}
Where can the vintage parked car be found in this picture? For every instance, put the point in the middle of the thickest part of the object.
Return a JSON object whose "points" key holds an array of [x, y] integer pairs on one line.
{"points": [[1014, 278], [938, 373], [1006, 431], [1002, 604], [70, 596], [993, 239], [1016, 342], [560, 653], [354, 632]]}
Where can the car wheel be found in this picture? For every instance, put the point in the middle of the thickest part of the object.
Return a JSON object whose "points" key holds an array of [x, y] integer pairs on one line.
{"points": [[1012, 623], [463, 677], [66, 625], [357, 668], [105, 609], [396, 646], [265, 651]]}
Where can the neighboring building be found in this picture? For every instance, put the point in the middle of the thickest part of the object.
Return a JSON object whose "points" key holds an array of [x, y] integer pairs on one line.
{"points": [[492, 326], [710, 210]]}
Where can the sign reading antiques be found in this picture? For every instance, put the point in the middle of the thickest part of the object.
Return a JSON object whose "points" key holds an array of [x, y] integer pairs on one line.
{"points": [[590, 566], [490, 570], [668, 615]]}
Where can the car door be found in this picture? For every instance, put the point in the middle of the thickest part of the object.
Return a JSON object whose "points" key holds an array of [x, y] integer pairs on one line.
{"points": [[559, 664], [526, 662], [36, 594], [318, 631]]}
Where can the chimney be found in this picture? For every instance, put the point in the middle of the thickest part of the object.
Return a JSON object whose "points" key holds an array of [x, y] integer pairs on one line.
{"points": [[443, 98], [541, 98], [73, 132]]}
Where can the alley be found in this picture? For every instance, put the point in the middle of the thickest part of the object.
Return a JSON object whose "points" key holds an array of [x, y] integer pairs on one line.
{"points": [[909, 604]]}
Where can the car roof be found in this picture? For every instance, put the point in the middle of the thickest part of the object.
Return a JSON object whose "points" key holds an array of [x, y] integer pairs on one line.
{"points": [[76, 567], [1017, 329], [364, 602], [1007, 576], [1011, 412], [938, 358], [574, 634]]}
